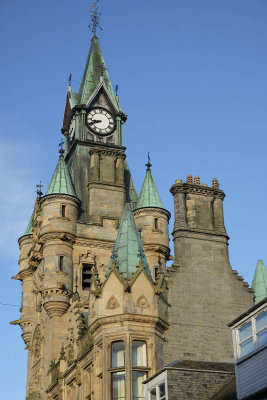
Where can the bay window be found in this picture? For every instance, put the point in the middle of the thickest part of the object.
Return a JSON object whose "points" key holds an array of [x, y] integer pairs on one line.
{"points": [[118, 368], [123, 371]]}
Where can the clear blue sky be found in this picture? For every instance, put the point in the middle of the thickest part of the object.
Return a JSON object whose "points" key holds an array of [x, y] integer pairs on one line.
{"points": [[192, 78]]}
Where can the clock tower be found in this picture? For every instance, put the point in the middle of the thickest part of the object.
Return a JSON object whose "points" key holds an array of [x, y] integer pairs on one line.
{"points": [[93, 121]]}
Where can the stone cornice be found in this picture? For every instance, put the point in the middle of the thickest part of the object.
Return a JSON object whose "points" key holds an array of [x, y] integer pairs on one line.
{"points": [[118, 153], [94, 243], [188, 188], [65, 237], [60, 196], [152, 210], [143, 319]]}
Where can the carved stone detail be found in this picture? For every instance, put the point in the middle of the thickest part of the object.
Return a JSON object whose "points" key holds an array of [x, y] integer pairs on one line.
{"points": [[142, 302], [112, 303]]}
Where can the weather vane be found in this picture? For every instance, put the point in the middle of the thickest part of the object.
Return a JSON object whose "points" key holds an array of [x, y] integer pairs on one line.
{"points": [[94, 18], [61, 150], [70, 76], [39, 189], [148, 165]]}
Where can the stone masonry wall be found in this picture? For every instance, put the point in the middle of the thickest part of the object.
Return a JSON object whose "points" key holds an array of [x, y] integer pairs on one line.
{"points": [[206, 384]]}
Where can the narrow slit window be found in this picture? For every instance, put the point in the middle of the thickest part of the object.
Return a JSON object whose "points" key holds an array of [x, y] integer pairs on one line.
{"points": [[156, 220], [86, 276], [60, 263], [63, 210]]}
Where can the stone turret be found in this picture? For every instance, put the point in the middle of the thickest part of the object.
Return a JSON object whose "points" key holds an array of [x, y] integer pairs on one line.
{"points": [[152, 220], [57, 233]]}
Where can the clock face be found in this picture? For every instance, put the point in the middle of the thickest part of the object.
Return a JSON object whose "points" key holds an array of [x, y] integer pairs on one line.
{"points": [[71, 131], [100, 121]]}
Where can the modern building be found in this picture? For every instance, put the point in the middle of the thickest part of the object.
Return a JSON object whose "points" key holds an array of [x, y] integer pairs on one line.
{"points": [[250, 351], [100, 313]]}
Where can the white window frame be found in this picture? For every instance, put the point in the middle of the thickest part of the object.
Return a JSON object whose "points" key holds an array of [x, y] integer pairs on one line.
{"points": [[155, 384], [254, 334]]}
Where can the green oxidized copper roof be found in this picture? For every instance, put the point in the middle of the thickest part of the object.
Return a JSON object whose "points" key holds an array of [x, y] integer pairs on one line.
{"points": [[95, 69], [149, 195], [61, 182], [29, 227], [259, 283], [128, 250]]}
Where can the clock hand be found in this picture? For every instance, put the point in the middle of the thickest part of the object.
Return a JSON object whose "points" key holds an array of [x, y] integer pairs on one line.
{"points": [[95, 121]]}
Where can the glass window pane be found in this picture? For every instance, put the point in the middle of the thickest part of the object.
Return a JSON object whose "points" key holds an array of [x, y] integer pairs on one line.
{"points": [[162, 391], [262, 338], [245, 331], [246, 347], [118, 385], [153, 395], [261, 321], [138, 387], [139, 354], [118, 354]]}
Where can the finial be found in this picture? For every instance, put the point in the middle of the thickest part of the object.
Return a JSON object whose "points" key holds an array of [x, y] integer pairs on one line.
{"points": [[61, 150], [76, 283], [70, 76], [116, 89], [39, 190], [94, 18], [62, 353], [148, 165]]}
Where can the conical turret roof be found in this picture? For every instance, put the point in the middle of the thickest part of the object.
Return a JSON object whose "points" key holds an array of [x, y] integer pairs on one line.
{"points": [[94, 71], [149, 195], [28, 230], [128, 251], [259, 283], [61, 182]]}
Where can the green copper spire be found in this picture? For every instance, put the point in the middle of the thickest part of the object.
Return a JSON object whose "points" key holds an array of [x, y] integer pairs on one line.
{"points": [[149, 195], [61, 181], [95, 71], [29, 227], [128, 250], [259, 283]]}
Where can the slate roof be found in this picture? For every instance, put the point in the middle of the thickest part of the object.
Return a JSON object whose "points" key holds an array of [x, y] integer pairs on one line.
{"points": [[61, 182], [259, 283], [128, 250]]}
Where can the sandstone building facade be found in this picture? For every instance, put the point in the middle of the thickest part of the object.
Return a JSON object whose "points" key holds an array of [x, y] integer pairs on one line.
{"points": [[100, 312]]}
